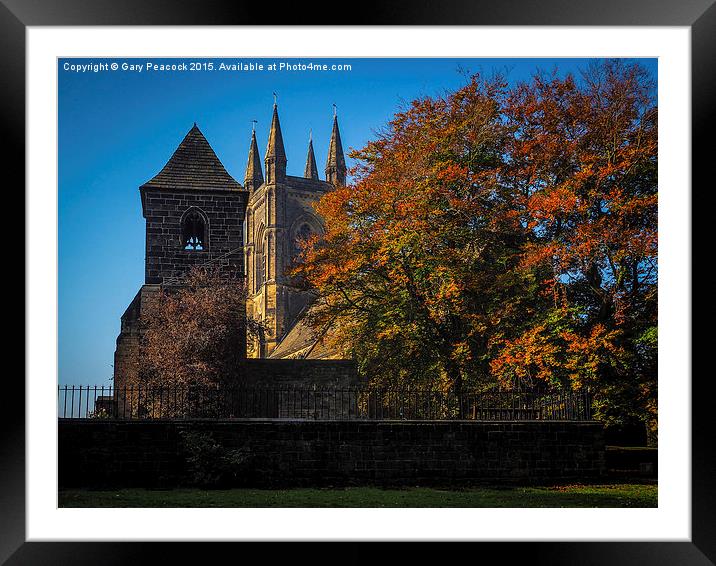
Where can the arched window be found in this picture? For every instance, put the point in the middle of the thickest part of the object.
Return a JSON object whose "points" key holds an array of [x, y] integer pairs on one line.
{"points": [[259, 260], [267, 258], [193, 231], [248, 270], [302, 232], [249, 225], [269, 206]]}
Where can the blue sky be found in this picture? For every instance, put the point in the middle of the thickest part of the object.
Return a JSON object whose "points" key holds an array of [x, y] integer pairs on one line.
{"points": [[118, 128]]}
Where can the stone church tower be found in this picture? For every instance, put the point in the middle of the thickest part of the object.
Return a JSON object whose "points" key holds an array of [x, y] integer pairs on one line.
{"points": [[278, 216], [194, 213]]}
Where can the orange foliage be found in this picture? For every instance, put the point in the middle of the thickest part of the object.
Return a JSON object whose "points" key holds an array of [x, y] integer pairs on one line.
{"points": [[496, 233]]}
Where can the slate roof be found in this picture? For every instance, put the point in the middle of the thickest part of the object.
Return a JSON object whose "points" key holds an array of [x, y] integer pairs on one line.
{"points": [[304, 342], [194, 165]]}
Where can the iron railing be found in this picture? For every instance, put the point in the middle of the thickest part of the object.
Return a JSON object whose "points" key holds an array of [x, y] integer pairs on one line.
{"points": [[316, 403]]}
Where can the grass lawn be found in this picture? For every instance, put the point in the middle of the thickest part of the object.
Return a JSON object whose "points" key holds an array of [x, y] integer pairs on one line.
{"points": [[604, 495]]}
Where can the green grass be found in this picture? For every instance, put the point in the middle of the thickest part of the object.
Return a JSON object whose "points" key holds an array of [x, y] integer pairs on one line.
{"points": [[631, 448], [605, 495]]}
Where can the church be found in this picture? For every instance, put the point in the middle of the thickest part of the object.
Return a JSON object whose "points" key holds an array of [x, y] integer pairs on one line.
{"points": [[278, 216], [197, 214]]}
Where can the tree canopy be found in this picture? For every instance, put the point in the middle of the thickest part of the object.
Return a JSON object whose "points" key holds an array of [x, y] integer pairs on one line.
{"points": [[195, 335], [503, 235]]}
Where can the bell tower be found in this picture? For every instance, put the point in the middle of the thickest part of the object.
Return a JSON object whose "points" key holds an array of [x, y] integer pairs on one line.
{"points": [[194, 212]]}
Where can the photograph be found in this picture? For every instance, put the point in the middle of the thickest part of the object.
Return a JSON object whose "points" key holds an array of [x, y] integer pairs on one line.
{"points": [[357, 282]]}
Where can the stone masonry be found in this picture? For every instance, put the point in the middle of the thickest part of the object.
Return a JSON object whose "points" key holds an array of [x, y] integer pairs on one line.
{"points": [[280, 214], [95, 453]]}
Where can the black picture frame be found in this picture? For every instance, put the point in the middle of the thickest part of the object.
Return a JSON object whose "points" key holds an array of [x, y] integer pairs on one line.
{"points": [[699, 15]]}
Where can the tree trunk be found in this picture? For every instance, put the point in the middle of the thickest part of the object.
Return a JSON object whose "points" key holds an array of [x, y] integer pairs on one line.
{"points": [[455, 377], [652, 433]]}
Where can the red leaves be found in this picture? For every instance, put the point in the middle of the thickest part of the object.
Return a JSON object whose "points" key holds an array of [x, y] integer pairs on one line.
{"points": [[194, 335], [494, 232]]}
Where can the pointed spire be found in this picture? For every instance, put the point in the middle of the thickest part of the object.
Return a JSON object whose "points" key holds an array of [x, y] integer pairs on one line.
{"points": [[275, 152], [336, 163], [254, 175], [311, 171]]}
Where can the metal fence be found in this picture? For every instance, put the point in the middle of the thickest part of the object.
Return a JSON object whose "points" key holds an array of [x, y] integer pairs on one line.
{"points": [[315, 403]]}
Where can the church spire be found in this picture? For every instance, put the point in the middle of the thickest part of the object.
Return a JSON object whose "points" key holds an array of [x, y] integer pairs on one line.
{"points": [[336, 163], [275, 152], [311, 171], [254, 176]]}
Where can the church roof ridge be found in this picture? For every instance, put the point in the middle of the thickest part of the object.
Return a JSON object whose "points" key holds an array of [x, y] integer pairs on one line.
{"points": [[301, 180]]}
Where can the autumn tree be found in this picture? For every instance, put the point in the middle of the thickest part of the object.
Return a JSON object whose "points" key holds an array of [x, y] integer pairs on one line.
{"points": [[417, 262], [195, 334], [583, 171], [503, 235]]}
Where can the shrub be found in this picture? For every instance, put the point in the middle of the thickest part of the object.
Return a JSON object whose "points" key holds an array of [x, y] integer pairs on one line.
{"points": [[209, 464]]}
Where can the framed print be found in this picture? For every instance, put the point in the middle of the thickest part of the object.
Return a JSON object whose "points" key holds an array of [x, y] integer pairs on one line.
{"points": [[470, 322]]}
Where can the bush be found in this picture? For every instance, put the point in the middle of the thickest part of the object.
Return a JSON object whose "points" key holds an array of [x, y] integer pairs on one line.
{"points": [[209, 464], [99, 414]]}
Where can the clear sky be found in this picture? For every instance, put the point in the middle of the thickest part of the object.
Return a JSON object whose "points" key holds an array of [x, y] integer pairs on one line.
{"points": [[118, 128]]}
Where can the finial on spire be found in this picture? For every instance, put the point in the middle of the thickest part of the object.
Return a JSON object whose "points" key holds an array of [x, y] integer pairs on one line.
{"points": [[275, 99], [253, 125], [310, 135], [335, 110]]}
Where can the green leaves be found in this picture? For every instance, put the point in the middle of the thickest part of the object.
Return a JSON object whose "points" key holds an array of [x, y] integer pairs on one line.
{"points": [[499, 234]]}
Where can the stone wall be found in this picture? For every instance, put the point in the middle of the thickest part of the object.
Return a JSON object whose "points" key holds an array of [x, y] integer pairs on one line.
{"points": [[164, 209], [127, 352], [279, 377], [283, 453], [301, 373]]}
